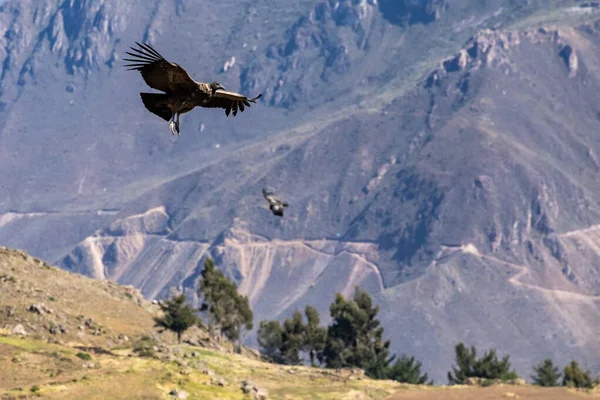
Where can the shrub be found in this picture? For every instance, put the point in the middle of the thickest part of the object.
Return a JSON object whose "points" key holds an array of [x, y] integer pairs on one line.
{"points": [[407, 370], [574, 376], [144, 346], [546, 374], [84, 356], [487, 367]]}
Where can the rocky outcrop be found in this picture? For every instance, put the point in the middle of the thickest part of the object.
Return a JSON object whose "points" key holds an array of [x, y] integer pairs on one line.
{"points": [[486, 48], [256, 393], [325, 42], [491, 48], [569, 55]]}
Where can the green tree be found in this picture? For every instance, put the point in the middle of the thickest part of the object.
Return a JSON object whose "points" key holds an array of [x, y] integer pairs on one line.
{"points": [[315, 336], [546, 374], [285, 343], [178, 316], [282, 344], [490, 367], [226, 309], [487, 367], [212, 284], [355, 338], [465, 364], [270, 341], [574, 376], [237, 316], [407, 370], [293, 339]]}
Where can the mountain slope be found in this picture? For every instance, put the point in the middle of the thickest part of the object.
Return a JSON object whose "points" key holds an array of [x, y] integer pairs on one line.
{"points": [[67, 336], [453, 178]]}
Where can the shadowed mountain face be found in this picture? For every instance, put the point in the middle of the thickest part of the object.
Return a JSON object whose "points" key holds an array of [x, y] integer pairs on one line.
{"points": [[447, 167]]}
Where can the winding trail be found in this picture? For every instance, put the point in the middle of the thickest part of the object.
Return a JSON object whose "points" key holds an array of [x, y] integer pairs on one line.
{"points": [[577, 232], [523, 270]]}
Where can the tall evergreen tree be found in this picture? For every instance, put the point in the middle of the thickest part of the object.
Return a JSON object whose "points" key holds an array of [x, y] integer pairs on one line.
{"points": [[227, 310], [293, 339], [211, 283], [315, 336], [270, 341], [237, 315], [546, 374], [178, 316], [407, 370], [355, 338], [465, 364]]}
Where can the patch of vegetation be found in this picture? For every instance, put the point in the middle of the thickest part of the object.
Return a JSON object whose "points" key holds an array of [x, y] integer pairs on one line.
{"points": [[407, 370], [488, 382], [226, 309], [574, 376], [487, 367], [546, 374], [29, 344], [353, 340], [144, 346], [53, 373], [355, 337], [283, 344], [178, 316], [7, 278], [35, 389], [84, 356]]}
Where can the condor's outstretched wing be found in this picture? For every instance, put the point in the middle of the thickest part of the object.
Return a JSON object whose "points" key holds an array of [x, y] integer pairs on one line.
{"points": [[230, 101], [157, 72]]}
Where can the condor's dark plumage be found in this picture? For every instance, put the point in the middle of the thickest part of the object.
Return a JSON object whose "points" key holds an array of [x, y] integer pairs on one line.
{"points": [[181, 92], [275, 204]]}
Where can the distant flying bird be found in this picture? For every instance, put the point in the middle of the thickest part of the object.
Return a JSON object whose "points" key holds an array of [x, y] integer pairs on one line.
{"points": [[275, 204], [181, 92]]}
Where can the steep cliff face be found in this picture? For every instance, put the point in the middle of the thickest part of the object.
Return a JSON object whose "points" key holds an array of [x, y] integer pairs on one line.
{"points": [[448, 168]]}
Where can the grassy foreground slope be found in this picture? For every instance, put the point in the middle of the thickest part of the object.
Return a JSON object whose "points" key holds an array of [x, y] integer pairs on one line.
{"points": [[64, 336]]}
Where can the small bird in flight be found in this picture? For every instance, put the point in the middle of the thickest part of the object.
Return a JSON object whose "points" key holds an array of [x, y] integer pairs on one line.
{"points": [[181, 92], [275, 205]]}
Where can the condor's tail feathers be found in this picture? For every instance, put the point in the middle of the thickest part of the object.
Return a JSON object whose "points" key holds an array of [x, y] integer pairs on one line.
{"points": [[157, 104]]}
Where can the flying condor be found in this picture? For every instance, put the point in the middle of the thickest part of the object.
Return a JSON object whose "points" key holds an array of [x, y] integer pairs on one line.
{"points": [[181, 92], [275, 204]]}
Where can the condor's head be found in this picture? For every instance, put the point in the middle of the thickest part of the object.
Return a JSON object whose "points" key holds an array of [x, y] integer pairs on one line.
{"points": [[215, 86]]}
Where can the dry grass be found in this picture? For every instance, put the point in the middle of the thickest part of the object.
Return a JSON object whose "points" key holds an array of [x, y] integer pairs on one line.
{"points": [[26, 362], [495, 393], [60, 374], [72, 299]]}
